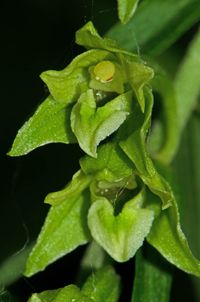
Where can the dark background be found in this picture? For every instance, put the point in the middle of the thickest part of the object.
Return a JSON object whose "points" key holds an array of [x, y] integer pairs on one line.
{"points": [[38, 35]]}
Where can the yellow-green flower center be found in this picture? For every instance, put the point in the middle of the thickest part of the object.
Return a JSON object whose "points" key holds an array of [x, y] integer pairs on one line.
{"points": [[104, 71]]}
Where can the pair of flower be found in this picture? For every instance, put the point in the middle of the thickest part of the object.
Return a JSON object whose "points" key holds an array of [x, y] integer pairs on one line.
{"points": [[118, 197]]}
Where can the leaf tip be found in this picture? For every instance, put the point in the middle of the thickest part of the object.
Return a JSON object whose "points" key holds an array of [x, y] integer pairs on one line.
{"points": [[13, 152]]}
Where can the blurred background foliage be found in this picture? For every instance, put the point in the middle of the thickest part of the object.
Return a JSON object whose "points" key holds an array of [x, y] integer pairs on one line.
{"points": [[37, 35]]}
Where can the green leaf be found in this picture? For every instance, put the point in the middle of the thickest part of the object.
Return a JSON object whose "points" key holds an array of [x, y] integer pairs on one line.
{"points": [[126, 9], [155, 20], [13, 267], [187, 83], [70, 293], [167, 237], [49, 124], [187, 173], [186, 164], [120, 235], [6, 296], [162, 84], [65, 228], [91, 125], [153, 277], [103, 285], [135, 148], [112, 164], [67, 85]]}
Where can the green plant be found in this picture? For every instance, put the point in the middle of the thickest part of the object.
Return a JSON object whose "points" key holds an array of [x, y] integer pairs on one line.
{"points": [[122, 194]]}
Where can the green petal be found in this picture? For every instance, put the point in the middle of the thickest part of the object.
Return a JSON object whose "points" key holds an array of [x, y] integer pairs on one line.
{"points": [[91, 125]]}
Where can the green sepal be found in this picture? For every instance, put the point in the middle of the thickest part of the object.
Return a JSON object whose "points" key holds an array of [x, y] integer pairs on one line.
{"points": [[121, 235], [88, 37], [65, 228], [66, 85], [138, 75], [91, 125], [134, 147], [126, 9], [49, 124]]}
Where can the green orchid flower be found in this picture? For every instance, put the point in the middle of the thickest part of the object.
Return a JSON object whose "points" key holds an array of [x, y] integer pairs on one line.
{"points": [[89, 99]]}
